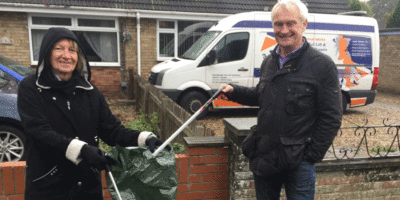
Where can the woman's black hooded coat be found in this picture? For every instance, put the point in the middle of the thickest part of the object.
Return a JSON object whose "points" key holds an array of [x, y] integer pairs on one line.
{"points": [[53, 114]]}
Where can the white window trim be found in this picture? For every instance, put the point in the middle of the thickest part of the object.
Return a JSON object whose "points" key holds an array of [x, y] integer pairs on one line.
{"points": [[74, 27], [167, 30]]}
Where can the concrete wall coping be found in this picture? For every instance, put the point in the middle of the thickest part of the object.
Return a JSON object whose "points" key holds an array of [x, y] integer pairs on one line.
{"points": [[240, 126], [209, 141], [358, 163]]}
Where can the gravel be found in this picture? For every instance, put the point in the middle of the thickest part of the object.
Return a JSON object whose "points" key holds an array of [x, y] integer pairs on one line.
{"points": [[386, 105]]}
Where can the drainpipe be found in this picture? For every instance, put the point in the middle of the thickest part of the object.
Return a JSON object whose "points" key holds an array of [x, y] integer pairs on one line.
{"points": [[138, 42]]}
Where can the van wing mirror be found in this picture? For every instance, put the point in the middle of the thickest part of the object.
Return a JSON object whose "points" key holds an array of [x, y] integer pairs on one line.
{"points": [[212, 57]]}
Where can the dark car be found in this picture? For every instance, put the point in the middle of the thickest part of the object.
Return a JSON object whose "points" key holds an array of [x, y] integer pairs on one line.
{"points": [[12, 139]]}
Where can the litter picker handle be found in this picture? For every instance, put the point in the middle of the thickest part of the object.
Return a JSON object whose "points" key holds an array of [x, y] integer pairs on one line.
{"points": [[113, 181], [111, 176], [173, 136]]}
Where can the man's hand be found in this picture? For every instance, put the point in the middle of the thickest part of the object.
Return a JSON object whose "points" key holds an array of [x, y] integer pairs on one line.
{"points": [[228, 89]]}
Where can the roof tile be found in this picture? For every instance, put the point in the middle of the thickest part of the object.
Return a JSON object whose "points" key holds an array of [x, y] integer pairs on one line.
{"points": [[203, 6]]}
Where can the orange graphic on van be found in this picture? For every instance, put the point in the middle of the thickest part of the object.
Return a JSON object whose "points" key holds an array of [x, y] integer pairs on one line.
{"points": [[268, 42], [350, 76]]}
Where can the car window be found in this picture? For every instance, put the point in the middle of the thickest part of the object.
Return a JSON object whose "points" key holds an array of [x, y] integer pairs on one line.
{"points": [[16, 66], [3, 81]]}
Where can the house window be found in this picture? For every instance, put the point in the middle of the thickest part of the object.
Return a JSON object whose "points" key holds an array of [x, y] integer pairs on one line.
{"points": [[174, 38], [99, 37]]}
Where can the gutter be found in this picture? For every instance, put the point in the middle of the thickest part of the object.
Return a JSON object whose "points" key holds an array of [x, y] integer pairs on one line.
{"points": [[109, 12]]}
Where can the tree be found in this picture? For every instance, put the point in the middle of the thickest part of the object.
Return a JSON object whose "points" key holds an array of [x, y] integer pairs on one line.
{"points": [[355, 5], [366, 7], [381, 10], [393, 20]]}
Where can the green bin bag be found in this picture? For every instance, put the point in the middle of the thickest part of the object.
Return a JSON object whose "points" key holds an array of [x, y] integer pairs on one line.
{"points": [[140, 176]]}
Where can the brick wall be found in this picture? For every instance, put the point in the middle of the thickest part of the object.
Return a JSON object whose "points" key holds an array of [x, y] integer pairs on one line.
{"points": [[108, 80], [148, 36], [14, 26], [346, 179], [389, 63], [202, 174], [12, 182]]}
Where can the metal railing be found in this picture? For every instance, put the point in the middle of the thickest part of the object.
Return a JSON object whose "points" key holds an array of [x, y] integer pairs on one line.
{"points": [[369, 141]]}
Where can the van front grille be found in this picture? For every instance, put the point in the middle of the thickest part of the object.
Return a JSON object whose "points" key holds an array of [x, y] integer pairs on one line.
{"points": [[153, 78]]}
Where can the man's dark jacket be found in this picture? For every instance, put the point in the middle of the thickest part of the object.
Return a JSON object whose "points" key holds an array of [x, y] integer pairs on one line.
{"points": [[53, 114], [300, 110]]}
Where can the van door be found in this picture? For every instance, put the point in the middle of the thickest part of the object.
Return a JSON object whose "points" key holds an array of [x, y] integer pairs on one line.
{"points": [[264, 42], [233, 62]]}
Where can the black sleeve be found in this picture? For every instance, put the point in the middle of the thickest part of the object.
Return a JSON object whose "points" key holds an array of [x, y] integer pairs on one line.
{"points": [[244, 95], [111, 131]]}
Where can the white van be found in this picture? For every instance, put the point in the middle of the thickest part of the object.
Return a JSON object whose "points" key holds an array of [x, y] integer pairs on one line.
{"points": [[232, 51]]}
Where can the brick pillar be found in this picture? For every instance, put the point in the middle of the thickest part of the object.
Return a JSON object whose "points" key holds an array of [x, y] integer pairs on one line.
{"points": [[241, 180], [12, 183], [206, 167]]}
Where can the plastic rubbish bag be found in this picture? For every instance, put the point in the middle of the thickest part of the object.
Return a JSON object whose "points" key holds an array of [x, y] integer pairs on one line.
{"points": [[140, 176]]}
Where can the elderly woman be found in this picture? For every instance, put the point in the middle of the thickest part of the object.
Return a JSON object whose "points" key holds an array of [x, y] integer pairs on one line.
{"points": [[64, 115]]}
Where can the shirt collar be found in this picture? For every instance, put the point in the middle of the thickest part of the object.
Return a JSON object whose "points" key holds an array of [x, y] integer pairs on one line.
{"points": [[290, 54]]}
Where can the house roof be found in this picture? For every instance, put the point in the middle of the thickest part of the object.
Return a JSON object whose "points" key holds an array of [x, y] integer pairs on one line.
{"points": [[193, 6]]}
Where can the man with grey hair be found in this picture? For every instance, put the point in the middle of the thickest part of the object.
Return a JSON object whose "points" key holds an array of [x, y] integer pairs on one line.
{"points": [[300, 109]]}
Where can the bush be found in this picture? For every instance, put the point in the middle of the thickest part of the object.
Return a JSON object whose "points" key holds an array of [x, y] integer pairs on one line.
{"points": [[146, 123]]}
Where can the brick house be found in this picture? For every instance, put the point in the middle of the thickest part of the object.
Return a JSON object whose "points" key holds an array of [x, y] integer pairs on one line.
{"points": [[122, 34]]}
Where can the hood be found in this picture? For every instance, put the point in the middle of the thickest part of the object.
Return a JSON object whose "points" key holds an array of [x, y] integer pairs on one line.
{"points": [[49, 39]]}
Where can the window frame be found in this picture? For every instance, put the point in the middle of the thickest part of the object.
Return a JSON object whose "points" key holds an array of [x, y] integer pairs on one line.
{"points": [[167, 30], [74, 27]]}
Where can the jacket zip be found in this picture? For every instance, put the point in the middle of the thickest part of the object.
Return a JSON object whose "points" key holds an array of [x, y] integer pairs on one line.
{"points": [[69, 105]]}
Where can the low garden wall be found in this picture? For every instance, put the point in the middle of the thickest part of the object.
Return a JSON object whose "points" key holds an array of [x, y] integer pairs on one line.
{"points": [[202, 172], [356, 178], [214, 168]]}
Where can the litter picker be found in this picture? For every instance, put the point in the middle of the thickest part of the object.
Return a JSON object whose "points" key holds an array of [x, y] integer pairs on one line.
{"points": [[173, 136], [113, 181]]}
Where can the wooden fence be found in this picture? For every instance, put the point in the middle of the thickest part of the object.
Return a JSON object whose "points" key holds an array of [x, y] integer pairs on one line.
{"points": [[149, 99]]}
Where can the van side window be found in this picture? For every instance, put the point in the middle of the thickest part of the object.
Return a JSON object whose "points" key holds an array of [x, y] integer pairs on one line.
{"points": [[232, 47]]}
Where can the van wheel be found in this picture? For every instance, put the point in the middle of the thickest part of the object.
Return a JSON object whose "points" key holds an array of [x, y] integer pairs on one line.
{"points": [[192, 101], [344, 103], [12, 144]]}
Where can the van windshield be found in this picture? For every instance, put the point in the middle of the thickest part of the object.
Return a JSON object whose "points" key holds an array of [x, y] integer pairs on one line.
{"points": [[202, 43]]}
